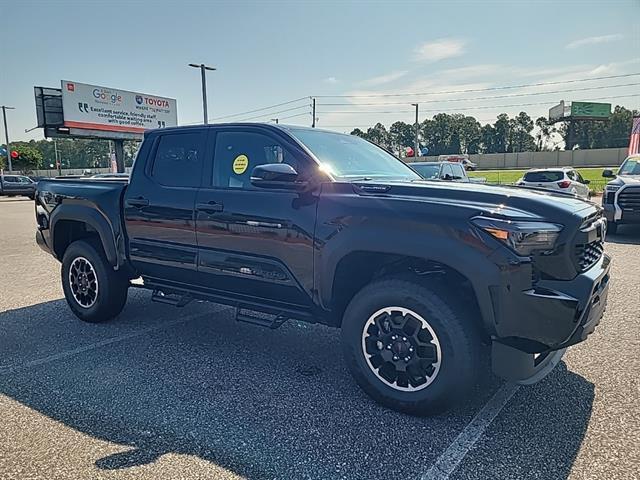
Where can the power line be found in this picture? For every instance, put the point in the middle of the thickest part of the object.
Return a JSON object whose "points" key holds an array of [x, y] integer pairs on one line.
{"points": [[263, 108], [600, 87], [297, 115], [470, 90], [273, 113], [471, 108]]}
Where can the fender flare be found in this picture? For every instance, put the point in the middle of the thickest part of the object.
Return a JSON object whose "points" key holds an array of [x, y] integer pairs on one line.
{"points": [[474, 264], [92, 217]]}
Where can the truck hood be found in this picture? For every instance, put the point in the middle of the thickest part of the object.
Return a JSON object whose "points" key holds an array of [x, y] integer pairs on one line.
{"points": [[501, 201], [625, 180]]}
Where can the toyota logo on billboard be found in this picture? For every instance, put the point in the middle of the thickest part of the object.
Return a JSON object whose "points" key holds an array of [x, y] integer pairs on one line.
{"points": [[139, 99]]}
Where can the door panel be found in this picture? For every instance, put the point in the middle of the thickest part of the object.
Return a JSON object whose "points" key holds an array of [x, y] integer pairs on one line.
{"points": [[159, 207], [260, 244]]}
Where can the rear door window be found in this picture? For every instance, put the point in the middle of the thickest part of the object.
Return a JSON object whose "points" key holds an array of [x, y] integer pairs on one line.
{"points": [[546, 176], [446, 170], [458, 171], [179, 159]]}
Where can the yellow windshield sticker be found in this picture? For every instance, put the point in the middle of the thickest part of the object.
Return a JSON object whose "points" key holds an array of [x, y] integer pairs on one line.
{"points": [[240, 164]]}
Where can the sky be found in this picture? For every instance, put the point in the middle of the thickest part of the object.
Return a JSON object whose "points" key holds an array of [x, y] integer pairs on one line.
{"points": [[271, 52]]}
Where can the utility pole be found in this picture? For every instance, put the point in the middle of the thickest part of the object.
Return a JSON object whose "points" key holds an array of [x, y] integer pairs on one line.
{"points": [[202, 68], [417, 149], [58, 162], [313, 122], [6, 135]]}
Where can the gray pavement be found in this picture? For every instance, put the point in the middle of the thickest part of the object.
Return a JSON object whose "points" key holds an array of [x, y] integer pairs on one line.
{"points": [[189, 393]]}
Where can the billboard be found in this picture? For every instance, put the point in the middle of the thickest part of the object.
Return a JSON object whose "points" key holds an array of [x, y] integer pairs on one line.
{"points": [[558, 112], [590, 110], [102, 109]]}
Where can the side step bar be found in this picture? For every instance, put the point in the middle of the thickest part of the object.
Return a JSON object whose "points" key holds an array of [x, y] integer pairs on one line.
{"points": [[246, 315], [261, 319], [171, 299]]}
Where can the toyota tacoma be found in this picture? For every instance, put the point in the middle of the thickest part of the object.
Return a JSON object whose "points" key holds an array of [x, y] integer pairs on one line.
{"points": [[426, 280]]}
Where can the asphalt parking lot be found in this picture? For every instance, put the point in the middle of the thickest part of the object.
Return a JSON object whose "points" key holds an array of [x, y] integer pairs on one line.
{"points": [[189, 393]]}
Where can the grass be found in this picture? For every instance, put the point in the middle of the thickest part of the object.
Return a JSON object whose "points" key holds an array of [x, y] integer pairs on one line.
{"points": [[594, 175]]}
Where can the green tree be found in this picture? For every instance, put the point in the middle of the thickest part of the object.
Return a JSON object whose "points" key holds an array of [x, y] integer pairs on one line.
{"points": [[378, 134], [29, 157], [401, 135], [502, 127], [520, 136]]}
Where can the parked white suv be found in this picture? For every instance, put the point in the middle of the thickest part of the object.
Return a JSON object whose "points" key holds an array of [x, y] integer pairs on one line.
{"points": [[563, 179]]}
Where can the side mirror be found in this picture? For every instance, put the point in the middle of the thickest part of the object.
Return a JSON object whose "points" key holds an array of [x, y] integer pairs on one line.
{"points": [[608, 173], [276, 175], [586, 182]]}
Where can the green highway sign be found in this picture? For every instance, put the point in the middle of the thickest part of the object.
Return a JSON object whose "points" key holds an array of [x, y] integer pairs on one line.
{"points": [[590, 110]]}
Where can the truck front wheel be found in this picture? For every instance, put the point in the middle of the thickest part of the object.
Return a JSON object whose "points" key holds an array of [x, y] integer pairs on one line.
{"points": [[94, 291], [406, 347]]}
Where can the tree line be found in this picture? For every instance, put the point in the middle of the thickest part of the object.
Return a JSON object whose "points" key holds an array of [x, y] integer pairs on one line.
{"points": [[442, 134], [458, 133], [72, 153]]}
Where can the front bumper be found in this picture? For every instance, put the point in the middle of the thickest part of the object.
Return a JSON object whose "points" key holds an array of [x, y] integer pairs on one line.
{"points": [[535, 325], [43, 240]]}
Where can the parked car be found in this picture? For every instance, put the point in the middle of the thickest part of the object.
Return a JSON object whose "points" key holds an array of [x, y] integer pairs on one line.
{"points": [[447, 171], [14, 185], [621, 198], [298, 223], [459, 158], [565, 179]]}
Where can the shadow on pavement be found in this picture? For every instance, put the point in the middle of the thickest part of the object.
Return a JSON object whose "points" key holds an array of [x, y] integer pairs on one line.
{"points": [[538, 434], [260, 403], [626, 234]]}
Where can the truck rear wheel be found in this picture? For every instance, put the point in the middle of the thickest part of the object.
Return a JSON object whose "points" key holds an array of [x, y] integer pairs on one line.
{"points": [[406, 347], [94, 291]]}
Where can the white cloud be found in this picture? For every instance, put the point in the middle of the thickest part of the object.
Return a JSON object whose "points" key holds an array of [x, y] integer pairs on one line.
{"points": [[439, 49], [594, 40], [382, 79], [368, 107], [331, 80]]}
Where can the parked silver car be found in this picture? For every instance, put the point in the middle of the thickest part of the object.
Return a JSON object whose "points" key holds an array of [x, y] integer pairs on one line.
{"points": [[562, 179]]}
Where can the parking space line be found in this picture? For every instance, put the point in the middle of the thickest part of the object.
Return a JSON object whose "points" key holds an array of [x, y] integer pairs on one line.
{"points": [[467, 438], [7, 369]]}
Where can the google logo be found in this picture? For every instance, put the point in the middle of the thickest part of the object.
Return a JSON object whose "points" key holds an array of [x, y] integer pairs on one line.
{"points": [[106, 95]]}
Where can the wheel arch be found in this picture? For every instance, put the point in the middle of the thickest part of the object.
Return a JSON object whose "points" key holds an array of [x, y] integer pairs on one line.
{"points": [[75, 222], [465, 282]]}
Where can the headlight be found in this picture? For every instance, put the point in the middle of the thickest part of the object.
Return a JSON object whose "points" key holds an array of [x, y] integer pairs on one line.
{"points": [[522, 237], [612, 188]]}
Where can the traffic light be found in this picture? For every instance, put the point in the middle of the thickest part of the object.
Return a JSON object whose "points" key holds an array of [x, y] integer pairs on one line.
{"points": [[15, 154]]}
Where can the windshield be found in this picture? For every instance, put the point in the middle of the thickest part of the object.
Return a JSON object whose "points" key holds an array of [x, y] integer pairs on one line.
{"points": [[351, 157], [427, 171], [548, 176], [630, 167]]}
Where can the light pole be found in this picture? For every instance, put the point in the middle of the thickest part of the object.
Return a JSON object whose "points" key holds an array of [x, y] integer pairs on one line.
{"points": [[6, 135], [202, 68], [417, 150]]}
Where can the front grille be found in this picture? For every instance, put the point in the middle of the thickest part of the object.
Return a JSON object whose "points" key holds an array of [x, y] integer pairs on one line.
{"points": [[587, 255], [629, 198]]}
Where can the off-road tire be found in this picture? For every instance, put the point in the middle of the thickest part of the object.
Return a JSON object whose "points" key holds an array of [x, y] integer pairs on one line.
{"points": [[459, 340], [111, 286]]}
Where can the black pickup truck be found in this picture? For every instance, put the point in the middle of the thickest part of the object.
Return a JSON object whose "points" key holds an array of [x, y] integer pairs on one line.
{"points": [[297, 223]]}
